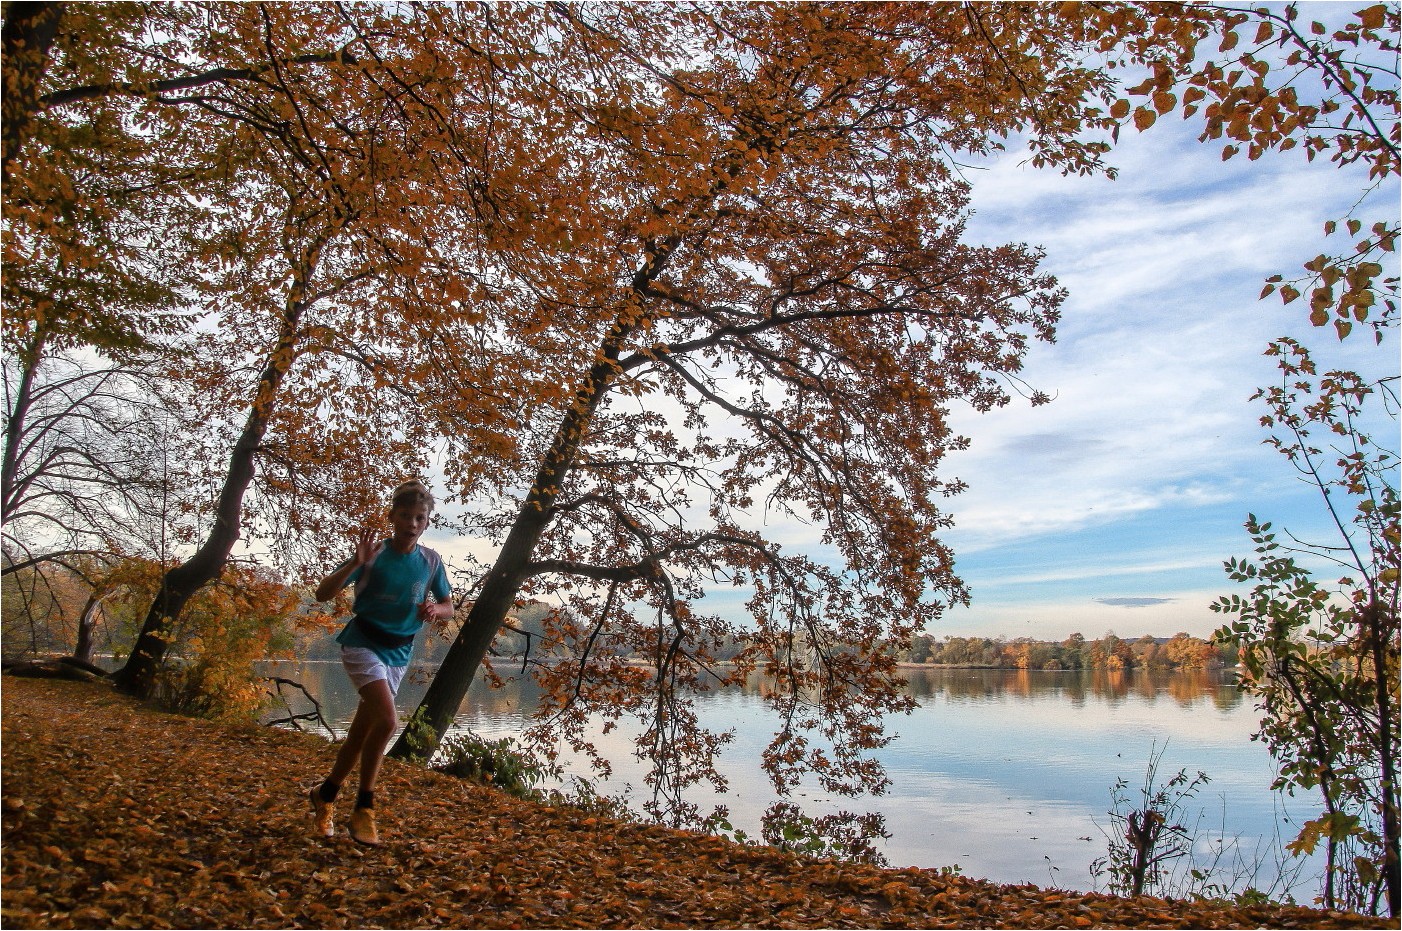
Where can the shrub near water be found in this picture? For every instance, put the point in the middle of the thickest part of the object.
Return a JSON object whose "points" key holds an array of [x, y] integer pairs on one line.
{"points": [[230, 626], [496, 763], [515, 770]]}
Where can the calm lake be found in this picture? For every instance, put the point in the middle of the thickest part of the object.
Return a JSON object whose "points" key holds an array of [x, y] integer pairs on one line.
{"points": [[1005, 773]]}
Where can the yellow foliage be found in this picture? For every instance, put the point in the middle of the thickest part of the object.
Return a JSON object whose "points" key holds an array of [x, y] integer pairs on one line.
{"points": [[242, 619]]}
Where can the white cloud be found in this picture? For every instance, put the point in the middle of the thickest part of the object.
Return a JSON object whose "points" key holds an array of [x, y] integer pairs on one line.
{"points": [[1070, 506], [1162, 337]]}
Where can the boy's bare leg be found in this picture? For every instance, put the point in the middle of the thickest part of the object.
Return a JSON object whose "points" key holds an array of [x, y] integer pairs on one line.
{"points": [[369, 734], [349, 754], [377, 707]]}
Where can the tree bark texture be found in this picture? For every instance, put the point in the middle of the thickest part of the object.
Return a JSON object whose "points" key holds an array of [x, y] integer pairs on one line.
{"points": [[82, 648], [1379, 635]]}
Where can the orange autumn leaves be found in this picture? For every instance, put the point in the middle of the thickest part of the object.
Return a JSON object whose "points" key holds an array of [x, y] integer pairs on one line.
{"points": [[215, 835]]}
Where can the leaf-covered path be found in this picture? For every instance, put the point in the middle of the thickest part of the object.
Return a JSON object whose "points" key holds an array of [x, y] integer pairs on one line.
{"points": [[119, 816]]}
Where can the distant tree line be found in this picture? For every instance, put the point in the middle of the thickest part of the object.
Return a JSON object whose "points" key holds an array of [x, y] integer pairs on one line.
{"points": [[533, 623], [1180, 651]]}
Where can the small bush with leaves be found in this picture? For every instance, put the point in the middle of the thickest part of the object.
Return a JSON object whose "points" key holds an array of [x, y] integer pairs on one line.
{"points": [[499, 763], [210, 669], [207, 688]]}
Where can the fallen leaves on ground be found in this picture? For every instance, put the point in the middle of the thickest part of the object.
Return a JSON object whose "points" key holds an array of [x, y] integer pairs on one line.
{"points": [[116, 815]]}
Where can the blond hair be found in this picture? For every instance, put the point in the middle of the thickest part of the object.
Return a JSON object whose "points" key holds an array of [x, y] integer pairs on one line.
{"points": [[411, 493]]}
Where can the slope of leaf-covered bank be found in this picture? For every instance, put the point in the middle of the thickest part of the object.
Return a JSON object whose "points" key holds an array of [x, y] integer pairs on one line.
{"points": [[119, 816]]}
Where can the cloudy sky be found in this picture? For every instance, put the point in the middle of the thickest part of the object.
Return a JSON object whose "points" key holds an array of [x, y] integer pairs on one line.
{"points": [[1114, 507]]}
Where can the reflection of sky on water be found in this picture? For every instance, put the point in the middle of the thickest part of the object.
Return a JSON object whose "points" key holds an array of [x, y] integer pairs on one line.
{"points": [[1002, 772], [1028, 774]]}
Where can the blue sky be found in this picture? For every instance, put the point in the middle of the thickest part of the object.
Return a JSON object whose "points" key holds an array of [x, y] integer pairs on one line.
{"points": [[1114, 507]]}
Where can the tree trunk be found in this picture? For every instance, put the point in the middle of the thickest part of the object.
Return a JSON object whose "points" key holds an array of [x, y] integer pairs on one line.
{"points": [[14, 428], [28, 35], [449, 686], [82, 648], [138, 676]]}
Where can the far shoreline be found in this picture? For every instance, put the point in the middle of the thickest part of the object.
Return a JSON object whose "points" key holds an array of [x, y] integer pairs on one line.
{"points": [[508, 660]]}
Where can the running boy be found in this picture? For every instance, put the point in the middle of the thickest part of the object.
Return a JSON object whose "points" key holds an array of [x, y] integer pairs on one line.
{"points": [[399, 584]]}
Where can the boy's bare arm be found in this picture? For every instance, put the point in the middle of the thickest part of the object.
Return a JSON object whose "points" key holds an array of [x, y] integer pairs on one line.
{"points": [[334, 582], [366, 546]]}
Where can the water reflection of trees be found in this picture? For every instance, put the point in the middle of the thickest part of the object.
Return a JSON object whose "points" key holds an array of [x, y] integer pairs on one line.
{"points": [[1185, 687], [518, 694]]}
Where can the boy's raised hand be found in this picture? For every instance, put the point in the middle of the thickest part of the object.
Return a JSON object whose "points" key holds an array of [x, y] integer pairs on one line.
{"points": [[367, 545]]}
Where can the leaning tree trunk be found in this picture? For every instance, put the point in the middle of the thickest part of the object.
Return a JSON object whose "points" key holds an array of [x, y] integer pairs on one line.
{"points": [[138, 676], [11, 493], [459, 667]]}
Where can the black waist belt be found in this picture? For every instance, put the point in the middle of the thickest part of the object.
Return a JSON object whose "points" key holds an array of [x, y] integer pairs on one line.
{"points": [[379, 636]]}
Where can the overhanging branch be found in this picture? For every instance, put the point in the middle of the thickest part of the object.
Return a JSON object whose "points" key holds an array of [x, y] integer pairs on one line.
{"points": [[205, 78]]}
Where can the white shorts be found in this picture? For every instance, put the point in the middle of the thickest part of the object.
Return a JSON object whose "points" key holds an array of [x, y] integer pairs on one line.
{"points": [[364, 666]]}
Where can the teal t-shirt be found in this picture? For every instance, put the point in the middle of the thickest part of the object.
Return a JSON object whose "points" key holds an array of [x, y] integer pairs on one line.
{"points": [[388, 592]]}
